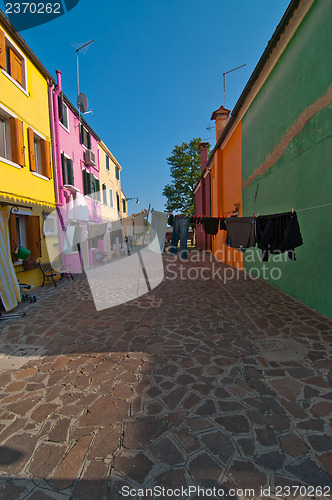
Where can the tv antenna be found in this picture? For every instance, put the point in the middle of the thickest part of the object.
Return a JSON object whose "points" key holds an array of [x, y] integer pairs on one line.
{"points": [[224, 77], [84, 48]]}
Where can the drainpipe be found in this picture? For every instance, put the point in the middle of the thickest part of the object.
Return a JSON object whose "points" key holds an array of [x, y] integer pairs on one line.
{"points": [[54, 159], [56, 93]]}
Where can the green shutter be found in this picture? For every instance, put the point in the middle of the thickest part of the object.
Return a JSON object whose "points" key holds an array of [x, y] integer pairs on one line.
{"points": [[60, 107], [64, 170], [98, 189], [85, 182], [70, 172]]}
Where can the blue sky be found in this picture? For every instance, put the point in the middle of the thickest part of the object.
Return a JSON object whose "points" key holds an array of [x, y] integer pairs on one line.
{"points": [[153, 76]]}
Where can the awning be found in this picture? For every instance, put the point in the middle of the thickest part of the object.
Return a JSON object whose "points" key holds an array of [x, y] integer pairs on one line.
{"points": [[9, 287]]}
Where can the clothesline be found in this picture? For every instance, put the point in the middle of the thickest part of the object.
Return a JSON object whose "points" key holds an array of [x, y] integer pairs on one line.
{"points": [[311, 208]]}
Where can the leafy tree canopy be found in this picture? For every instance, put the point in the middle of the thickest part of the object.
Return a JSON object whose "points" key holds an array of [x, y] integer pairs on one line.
{"points": [[185, 172]]}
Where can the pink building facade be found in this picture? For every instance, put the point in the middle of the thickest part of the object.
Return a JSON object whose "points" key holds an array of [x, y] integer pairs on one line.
{"points": [[77, 184]]}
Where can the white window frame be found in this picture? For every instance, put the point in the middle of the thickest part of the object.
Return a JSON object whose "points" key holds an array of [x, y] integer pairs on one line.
{"points": [[24, 86], [22, 230], [111, 197], [5, 114], [39, 137], [65, 109], [51, 219]]}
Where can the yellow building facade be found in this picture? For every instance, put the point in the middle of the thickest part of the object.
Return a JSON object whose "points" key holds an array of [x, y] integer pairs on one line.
{"points": [[26, 171], [110, 185]]}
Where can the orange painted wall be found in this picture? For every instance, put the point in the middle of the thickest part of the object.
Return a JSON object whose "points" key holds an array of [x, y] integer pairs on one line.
{"points": [[226, 190]]}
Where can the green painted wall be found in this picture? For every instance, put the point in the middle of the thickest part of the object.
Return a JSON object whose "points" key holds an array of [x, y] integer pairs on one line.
{"points": [[302, 176]]}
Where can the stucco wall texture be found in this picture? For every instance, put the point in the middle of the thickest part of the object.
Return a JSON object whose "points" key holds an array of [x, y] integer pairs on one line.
{"points": [[286, 159]]}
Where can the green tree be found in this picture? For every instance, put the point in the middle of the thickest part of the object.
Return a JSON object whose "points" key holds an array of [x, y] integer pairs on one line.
{"points": [[185, 172]]}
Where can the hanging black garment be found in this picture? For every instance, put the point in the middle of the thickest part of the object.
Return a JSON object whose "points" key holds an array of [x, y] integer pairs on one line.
{"points": [[211, 225], [240, 232], [222, 225], [170, 220], [278, 233]]}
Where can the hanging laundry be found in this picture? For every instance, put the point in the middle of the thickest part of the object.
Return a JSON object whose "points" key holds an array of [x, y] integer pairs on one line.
{"points": [[240, 232], [180, 232], [170, 220], [278, 233], [139, 222], [211, 225], [222, 224], [127, 225]]}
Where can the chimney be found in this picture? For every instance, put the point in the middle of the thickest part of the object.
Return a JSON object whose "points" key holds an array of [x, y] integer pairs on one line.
{"points": [[203, 149], [58, 74], [220, 116]]}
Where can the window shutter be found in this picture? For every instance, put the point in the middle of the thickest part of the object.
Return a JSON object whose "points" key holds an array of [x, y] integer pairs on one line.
{"points": [[15, 66], [91, 184], [85, 184], [60, 106], [81, 134], [31, 144], [2, 50], [16, 136], [46, 159], [70, 172], [13, 236], [98, 189], [64, 169], [88, 140], [33, 235]]}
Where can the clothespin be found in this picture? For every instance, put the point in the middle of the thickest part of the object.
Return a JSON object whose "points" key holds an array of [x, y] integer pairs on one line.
{"points": [[292, 210], [253, 216]]}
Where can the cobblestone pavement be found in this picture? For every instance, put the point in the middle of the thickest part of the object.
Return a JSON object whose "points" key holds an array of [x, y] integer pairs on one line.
{"points": [[201, 382]]}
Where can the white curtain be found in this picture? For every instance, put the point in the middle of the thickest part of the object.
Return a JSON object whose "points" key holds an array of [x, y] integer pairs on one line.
{"points": [[9, 287]]}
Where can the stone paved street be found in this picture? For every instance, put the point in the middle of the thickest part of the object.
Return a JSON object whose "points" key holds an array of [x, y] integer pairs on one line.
{"points": [[200, 382]]}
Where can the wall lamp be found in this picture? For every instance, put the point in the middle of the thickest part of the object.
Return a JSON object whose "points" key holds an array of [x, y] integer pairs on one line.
{"points": [[134, 198]]}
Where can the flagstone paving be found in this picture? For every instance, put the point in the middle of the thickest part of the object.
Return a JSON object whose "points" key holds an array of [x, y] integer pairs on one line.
{"points": [[215, 383]]}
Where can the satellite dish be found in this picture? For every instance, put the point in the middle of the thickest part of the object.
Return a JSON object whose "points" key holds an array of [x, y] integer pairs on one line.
{"points": [[82, 103]]}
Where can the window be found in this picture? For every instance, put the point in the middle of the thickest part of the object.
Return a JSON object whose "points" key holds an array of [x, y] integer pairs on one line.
{"points": [[39, 154], [25, 231], [85, 137], [50, 225], [63, 112], [67, 170], [118, 202], [123, 205], [11, 138], [12, 61], [5, 142], [107, 163], [98, 189], [91, 185], [117, 173], [111, 198], [104, 194]]}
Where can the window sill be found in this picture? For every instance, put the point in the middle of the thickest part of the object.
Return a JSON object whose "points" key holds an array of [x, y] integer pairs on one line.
{"points": [[71, 188], [11, 163], [36, 174], [65, 128], [22, 89]]}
